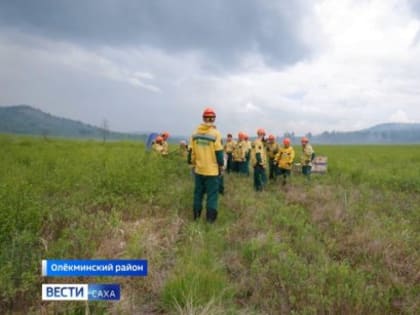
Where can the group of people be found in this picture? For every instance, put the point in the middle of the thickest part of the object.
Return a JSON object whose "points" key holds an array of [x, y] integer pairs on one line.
{"points": [[160, 144], [207, 154], [267, 153]]}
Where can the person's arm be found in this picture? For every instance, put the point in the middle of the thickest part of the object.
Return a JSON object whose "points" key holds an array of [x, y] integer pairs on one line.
{"points": [[190, 156], [218, 148], [292, 156], [219, 158]]}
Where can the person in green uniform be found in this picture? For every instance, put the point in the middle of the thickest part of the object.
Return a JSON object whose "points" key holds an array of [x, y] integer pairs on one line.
{"points": [[206, 155], [259, 160]]}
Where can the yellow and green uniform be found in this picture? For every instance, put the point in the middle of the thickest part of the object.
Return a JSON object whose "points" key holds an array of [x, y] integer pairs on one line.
{"points": [[248, 155], [228, 148], [206, 150], [157, 148], [258, 155], [239, 152], [272, 149], [206, 155], [239, 155], [284, 160], [258, 162], [165, 147], [183, 150], [306, 159]]}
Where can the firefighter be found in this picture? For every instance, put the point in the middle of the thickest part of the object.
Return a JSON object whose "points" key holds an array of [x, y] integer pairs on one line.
{"points": [[284, 160], [239, 154], [307, 156], [228, 148], [206, 155], [157, 145], [272, 149], [259, 160], [183, 148], [165, 136], [248, 154]]}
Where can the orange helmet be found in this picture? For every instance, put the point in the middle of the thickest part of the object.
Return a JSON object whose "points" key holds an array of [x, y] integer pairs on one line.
{"points": [[286, 141], [271, 137], [209, 112], [241, 135], [261, 131], [304, 140], [165, 135], [159, 139]]}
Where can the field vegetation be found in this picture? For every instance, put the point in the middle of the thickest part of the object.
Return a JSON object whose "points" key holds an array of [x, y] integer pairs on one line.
{"points": [[348, 242]]}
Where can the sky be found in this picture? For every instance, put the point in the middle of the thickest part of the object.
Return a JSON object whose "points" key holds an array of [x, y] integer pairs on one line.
{"points": [[154, 65]]}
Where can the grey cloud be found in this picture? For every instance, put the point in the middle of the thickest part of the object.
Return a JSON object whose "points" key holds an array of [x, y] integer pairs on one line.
{"points": [[222, 31], [415, 6]]}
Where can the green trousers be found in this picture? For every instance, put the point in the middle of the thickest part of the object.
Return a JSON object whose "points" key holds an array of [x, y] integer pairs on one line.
{"points": [[260, 178], [306, 170], [206, 185]]}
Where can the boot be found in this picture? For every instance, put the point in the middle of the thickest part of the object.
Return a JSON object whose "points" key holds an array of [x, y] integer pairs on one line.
{"points": [[284, 181], [211, 215], [197, 214]]}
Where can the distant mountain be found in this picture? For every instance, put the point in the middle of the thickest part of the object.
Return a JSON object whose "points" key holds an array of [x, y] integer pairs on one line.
{"points": [[388, 133], [24, 119]]}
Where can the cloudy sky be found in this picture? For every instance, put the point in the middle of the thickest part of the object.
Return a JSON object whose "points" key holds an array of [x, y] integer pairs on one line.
{"points": [[154, 65]]}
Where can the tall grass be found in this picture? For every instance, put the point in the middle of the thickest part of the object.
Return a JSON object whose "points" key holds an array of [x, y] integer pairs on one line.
{"points": [[345, 243]]}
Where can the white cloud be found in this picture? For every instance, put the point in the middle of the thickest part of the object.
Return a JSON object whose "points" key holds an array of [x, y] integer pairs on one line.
{"points": [[249, 108], [400, 116]]}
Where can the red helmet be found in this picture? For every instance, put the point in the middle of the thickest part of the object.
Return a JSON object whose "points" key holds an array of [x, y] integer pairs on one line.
{"points": [[271, 137], [159, 139], [304, 140], [209, 112], [261, 131], [246, 136], [286, 141]]}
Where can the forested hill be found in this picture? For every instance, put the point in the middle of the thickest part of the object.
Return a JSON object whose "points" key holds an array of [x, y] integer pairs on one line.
{"points": [[24, 119], [388, 133]]}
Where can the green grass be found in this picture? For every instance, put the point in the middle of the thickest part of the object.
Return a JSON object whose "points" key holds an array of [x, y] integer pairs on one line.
{"points": [[346, 243]]}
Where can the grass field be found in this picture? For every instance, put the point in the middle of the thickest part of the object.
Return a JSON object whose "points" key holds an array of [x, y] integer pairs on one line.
{"points": [[346, 243]]}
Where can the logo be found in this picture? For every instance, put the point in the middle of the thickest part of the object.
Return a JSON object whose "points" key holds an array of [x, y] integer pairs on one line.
{"points": [[80, 292]]}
